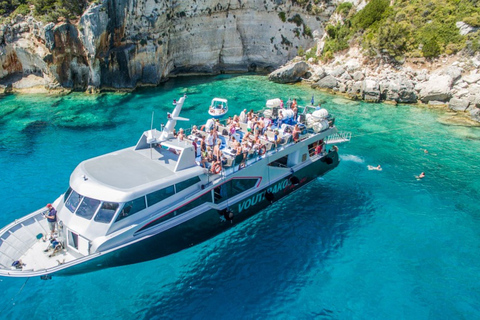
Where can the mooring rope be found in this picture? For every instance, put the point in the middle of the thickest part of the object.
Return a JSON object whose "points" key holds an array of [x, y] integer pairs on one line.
{"points": [[13, 298]]}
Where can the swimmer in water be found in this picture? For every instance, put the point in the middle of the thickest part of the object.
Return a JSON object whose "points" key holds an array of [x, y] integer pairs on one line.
{"points": [[379, 168], [420, 176]]}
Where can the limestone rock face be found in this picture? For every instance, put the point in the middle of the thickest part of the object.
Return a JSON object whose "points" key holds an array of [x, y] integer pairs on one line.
{"points": [[437, 88], [123, 43], [290, 73]]}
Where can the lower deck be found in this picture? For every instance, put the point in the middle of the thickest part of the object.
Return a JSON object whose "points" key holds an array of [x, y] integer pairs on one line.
{"points": [[42, 256]]}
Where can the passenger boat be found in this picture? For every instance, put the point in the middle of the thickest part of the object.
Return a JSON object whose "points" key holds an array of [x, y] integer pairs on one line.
{"points": [[157, 197], [218, 107]]}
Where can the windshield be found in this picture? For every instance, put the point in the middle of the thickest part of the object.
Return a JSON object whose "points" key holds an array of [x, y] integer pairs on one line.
{"points": [[87, 208], [73, 201], [106, 212]]}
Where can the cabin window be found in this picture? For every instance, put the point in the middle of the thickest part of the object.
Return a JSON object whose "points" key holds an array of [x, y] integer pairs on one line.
{"points": [[207, 197], [73, 201], [232, 188], [106, 212], [159, 195], [132, 207], [87, 208], [187, 183], [65, 197], [281, 162]]}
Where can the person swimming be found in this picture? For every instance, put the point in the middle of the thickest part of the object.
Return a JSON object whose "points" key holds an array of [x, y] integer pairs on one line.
{"points": [[420, 176], [378, 168]]}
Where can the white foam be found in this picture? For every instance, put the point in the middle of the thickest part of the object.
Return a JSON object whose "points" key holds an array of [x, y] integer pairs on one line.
{"points": [[351, 157]]}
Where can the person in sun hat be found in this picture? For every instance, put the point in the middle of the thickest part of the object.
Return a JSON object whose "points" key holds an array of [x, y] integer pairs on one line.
{"points": [[51, 216]]}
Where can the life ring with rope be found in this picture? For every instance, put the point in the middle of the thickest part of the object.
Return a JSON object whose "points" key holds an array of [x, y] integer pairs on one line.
{"points": [[262, 150], [216, 168]]}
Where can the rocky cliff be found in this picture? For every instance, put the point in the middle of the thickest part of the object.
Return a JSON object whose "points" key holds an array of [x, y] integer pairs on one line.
{"points": [[121, 44]]}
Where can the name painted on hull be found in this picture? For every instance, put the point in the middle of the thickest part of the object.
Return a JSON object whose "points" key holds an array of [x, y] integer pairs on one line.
{"points": [[279, 186]]}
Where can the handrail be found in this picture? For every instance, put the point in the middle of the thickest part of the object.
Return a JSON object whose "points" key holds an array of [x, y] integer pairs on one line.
{"points": [[338, 137]]}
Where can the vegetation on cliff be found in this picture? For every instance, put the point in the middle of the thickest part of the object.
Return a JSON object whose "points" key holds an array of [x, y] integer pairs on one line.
{"points": [[406, 28], [46, 10]]}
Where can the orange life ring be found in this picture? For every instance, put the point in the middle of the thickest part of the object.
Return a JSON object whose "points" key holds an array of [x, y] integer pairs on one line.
{"points": [[260, 152], [216, 168]]}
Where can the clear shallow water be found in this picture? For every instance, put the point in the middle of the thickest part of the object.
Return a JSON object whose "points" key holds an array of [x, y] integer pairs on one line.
{"points": [[355, 244]]}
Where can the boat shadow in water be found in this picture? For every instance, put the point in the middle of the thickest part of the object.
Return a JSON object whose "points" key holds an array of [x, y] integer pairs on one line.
{"points": [[274, 252]]}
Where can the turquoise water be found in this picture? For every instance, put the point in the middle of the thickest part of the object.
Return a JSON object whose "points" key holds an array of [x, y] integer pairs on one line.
{"points": [[355, 244]]}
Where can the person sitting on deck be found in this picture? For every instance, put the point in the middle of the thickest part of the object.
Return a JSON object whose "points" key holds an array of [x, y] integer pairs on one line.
{"points": [[55, 245], [18, 264], [296, 133], [194, 130], [181, 135], [277, 138]]}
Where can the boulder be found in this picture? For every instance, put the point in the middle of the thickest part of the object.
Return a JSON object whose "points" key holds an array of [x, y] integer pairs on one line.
{"points": [[399, 89], [358, 76], [475, 114], [317, 73], [290, 73], [436, 88], [337, 72], [327, 82], [474, 100], [371, 91], [471, 78], [454, 72], [458, 104]]}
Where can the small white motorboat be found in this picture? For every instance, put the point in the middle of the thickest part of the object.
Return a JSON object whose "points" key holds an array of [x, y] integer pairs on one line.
{"points": [[218, 108]]}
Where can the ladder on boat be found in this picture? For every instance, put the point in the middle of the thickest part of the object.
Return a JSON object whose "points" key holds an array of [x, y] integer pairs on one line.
{"points": [[338, 138]]}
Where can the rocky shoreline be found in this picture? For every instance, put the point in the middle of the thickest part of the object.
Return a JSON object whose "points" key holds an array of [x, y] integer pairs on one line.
{"points": [[453, 82]]}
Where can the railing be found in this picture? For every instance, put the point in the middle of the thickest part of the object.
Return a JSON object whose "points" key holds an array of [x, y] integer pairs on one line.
{"points": [[338, 137]]}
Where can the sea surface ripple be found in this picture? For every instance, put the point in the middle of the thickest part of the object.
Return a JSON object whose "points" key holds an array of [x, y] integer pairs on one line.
{"points": [[354, 244]]}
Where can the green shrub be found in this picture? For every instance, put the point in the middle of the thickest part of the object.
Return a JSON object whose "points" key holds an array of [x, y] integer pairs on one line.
{"points": [[22, 9], [300, 51], [331, 31], [344, 8], [296, 19], [282, 16], [431, 49], [371, 13], [473, 21]]}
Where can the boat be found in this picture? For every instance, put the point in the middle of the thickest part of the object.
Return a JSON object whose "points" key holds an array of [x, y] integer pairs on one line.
{"points": [[218, 108], [156, 197]]}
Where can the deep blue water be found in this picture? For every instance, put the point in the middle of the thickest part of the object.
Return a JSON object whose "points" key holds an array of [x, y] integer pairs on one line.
{"points": [[355, 244]]}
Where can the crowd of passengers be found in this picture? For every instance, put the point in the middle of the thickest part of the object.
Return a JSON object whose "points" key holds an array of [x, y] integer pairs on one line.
{"points": [[261, 135]]}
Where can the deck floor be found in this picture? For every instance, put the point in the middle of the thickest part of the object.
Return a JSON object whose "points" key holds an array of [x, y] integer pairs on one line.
{"points": [[37, 259]]}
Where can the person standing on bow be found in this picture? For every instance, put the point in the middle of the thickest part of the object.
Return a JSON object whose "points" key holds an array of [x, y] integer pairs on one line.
{"points": [[51, 216]]}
